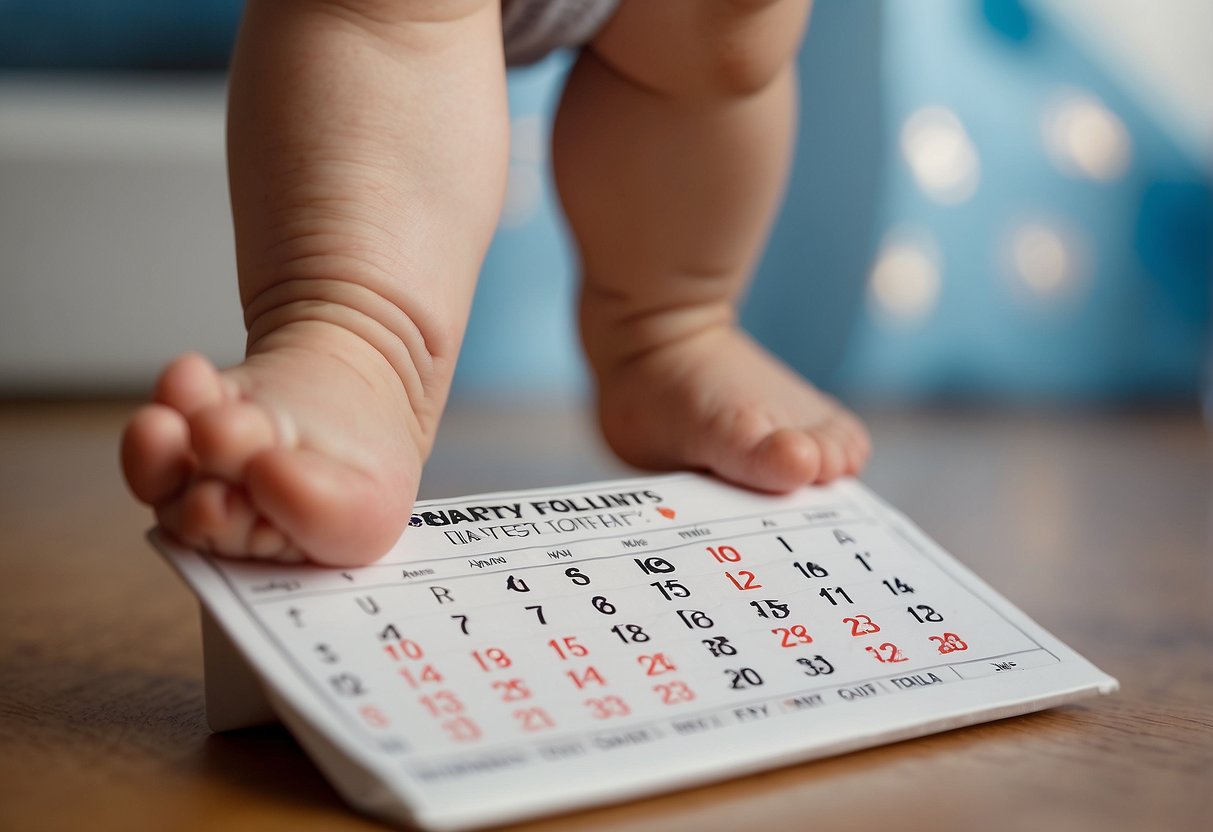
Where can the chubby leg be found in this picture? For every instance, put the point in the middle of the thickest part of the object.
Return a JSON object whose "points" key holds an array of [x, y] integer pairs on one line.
{"points": [[672, 147], [368, 142]]}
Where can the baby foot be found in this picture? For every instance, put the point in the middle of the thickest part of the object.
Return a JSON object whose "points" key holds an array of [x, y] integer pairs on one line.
{"points": [[716, 400], [309, 450]]}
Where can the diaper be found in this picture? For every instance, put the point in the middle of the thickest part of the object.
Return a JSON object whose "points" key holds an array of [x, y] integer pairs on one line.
{"points": [[534, 28]]}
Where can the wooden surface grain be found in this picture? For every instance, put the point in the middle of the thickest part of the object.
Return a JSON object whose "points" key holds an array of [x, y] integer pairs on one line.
{"points": [[1098, 526]]}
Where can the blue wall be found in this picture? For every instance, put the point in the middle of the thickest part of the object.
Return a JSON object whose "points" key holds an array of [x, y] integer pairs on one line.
{"points": [[1136, 324]]}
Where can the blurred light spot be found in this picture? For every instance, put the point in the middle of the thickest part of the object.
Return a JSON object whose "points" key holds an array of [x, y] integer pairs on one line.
{"points": [[1046, 259], [528, 140], [940, 155], [523, 194], [905, 280], [1084, 138]]}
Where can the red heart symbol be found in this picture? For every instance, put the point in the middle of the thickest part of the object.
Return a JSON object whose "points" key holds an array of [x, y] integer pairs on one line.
{"points": [[667, 513]]}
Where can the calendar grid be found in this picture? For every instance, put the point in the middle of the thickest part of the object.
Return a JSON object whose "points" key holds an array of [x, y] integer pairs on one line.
{"points": [[862, 518], [596, 632]]}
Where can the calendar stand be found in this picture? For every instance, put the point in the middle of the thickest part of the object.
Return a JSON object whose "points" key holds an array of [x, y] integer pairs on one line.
{"points": [[235, 695]]}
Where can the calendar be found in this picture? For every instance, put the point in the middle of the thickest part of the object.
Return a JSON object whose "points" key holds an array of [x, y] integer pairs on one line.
{"points": [[527, 653]]}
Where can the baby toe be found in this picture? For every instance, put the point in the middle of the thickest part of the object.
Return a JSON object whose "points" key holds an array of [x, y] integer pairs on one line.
{"points": [[780, 461], [189, 384], [155, 452], [290, 555], [218, 518], [831, 443], [787, 459], [265, 540], [856, 442], [224, 437], [857, 453]]}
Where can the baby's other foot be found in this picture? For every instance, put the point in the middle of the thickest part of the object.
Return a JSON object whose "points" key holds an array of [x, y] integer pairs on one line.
{"points": [[716, 400], [309, 450]]}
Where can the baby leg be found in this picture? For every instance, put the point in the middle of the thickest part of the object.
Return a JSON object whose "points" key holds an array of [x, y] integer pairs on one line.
{"points": [[368, 142], [672, 146]]}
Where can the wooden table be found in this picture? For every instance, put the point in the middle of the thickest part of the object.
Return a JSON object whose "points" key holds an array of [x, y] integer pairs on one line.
{"points": [[1098, 526]]}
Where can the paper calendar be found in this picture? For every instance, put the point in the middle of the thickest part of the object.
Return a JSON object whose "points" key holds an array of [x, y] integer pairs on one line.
{"points": [[520, 654]]}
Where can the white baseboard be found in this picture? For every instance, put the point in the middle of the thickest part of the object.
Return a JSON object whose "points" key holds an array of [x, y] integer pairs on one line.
{"points": [[115, 234]]}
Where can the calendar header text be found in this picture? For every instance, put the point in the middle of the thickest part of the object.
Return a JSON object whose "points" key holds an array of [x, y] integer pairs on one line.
{"points": [[535, 508]]}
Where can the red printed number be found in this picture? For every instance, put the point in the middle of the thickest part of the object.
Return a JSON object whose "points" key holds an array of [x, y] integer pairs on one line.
{"points": [[655, 664], [428, 675], [512, 690], [534, 719], [861, 625], [887, 653], [493, 658], [462, 729], [607, 707], [748, 579], [373, 716], [588, 676], [406, 648], [442, 703], [949, 643], [724, 553], [793, 635], [674, 692], [568, 647]]}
